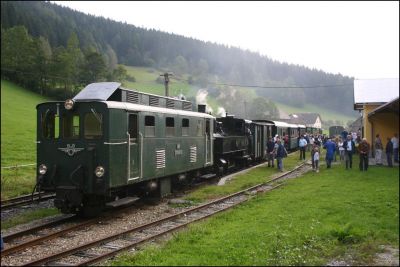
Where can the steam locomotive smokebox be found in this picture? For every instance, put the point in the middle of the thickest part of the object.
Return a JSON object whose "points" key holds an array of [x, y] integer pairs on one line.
{"points": [[201, 108]]}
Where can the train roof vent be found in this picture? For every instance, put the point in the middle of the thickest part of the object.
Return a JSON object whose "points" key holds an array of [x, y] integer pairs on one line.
{"points": [[170, 103], [154, 101], [187, 106], [132, 97]]}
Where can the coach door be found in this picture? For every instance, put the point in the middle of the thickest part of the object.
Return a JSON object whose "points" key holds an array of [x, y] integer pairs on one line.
{"points": [[133, 147], [209, 142]]}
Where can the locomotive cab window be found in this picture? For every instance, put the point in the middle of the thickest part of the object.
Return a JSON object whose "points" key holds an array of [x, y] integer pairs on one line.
{"points": [[199, 128], [93, 124], [149, 126], [50, 125], [185, 127], [170, 126], [70, 125], [132, 126]]}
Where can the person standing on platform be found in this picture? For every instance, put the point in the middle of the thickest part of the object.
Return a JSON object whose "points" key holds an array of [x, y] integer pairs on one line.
{"points": [[270, 152], [341, 149], [302, 146], [378, 150], [330, 150], [280, 154], [389, 152], [363, 149], [315, 158], [395, 142], [350, 148]]}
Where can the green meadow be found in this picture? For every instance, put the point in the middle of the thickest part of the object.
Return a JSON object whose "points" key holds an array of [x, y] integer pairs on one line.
{"points": [[18, 136], [312, 220]]}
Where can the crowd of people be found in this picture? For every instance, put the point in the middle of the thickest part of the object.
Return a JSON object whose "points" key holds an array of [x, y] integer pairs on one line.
{"points": [[343, 147]]}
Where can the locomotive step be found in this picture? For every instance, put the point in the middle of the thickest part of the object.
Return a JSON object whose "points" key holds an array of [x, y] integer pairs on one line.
{"points": [[208, 176], [122, 201]]}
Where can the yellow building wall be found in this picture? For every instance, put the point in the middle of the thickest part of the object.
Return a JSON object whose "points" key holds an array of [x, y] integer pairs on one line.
{"points": [[384, 124], [366, 123]]}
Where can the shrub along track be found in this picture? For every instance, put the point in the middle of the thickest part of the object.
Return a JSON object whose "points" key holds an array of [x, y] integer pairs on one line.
{"points": [[116, 239]]}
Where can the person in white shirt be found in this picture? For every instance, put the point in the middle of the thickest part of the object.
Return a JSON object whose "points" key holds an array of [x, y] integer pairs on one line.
{"points": [[341, 149]]}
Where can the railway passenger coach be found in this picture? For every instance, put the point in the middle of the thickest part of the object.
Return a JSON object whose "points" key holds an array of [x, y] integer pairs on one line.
{"points": [[109, 143]]}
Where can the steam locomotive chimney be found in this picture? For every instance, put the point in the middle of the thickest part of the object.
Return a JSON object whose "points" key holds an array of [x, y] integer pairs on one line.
{"points": [[201, 108]]}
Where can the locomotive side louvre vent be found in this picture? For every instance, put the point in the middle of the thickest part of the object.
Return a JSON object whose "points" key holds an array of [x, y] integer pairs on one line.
{"points": [[154, 101], [193, 154], [187, 106], [170, 103], [132, 97], [160, 159]]}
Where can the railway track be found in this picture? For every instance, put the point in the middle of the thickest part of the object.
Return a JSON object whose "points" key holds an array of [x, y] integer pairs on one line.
{"points": [[110, 245], [25, 199]]}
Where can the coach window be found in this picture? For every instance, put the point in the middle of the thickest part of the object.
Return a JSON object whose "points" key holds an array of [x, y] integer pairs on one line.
{"points": [[50, 125], [70, 125], [149, 126], [93, 124], [199, 128], [185, 127], [170, 126]]}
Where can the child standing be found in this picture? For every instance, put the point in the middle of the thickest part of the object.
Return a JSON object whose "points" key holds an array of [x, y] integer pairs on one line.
{"points": [[316, 158]]}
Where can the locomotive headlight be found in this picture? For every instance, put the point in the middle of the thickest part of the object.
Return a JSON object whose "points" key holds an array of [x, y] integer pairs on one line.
{"points": [[99, 171], [42, 169], [69, 104]]}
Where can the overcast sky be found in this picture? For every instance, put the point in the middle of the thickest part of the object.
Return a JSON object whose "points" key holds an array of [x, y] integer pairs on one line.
{"points": [[358, 39]]}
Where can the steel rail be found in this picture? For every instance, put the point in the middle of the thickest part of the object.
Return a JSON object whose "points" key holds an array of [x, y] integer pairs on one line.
{"points": [[25, 199], [52, 258]]}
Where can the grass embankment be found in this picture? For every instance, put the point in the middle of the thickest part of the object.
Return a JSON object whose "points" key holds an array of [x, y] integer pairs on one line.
{"points": [[243, 181], [28, 217], [18, 136], [310, 221]]}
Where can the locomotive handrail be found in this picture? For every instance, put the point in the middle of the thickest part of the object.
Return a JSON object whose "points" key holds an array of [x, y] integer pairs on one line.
{"points": [[141, 154], [120, 143], [128, 175]]}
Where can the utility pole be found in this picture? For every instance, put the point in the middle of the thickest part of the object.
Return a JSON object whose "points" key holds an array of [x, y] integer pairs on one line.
{"points": [[166, 81], [245, 109]]}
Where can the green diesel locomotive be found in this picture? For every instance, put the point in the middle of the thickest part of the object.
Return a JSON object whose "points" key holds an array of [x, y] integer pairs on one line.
{"points": [[108, 144]]}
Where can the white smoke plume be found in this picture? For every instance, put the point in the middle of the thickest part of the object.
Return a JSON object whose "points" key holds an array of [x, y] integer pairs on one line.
{"points": [[221, 112], [201, 97]]}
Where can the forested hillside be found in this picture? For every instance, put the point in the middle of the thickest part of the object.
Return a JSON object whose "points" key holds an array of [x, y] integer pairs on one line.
{"points": [[61, 33]]}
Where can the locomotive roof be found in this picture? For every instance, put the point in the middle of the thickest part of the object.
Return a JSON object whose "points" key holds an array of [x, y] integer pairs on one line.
{"points": [[137, 107], [97, 91]]}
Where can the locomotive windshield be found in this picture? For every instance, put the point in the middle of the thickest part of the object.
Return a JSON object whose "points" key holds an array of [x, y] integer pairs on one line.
{"points": [[93, 125], [50, 125], [70, 124]]}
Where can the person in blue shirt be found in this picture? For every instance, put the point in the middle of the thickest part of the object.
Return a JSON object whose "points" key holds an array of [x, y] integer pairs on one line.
{"points": [[302, 146], [330, 150]]}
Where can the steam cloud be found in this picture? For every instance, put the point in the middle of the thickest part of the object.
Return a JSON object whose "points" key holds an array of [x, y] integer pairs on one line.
{"points": [[221, 112]]}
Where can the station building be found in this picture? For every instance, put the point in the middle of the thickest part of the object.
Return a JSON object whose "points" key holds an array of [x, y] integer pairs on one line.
{"points": [[378, 102]]}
